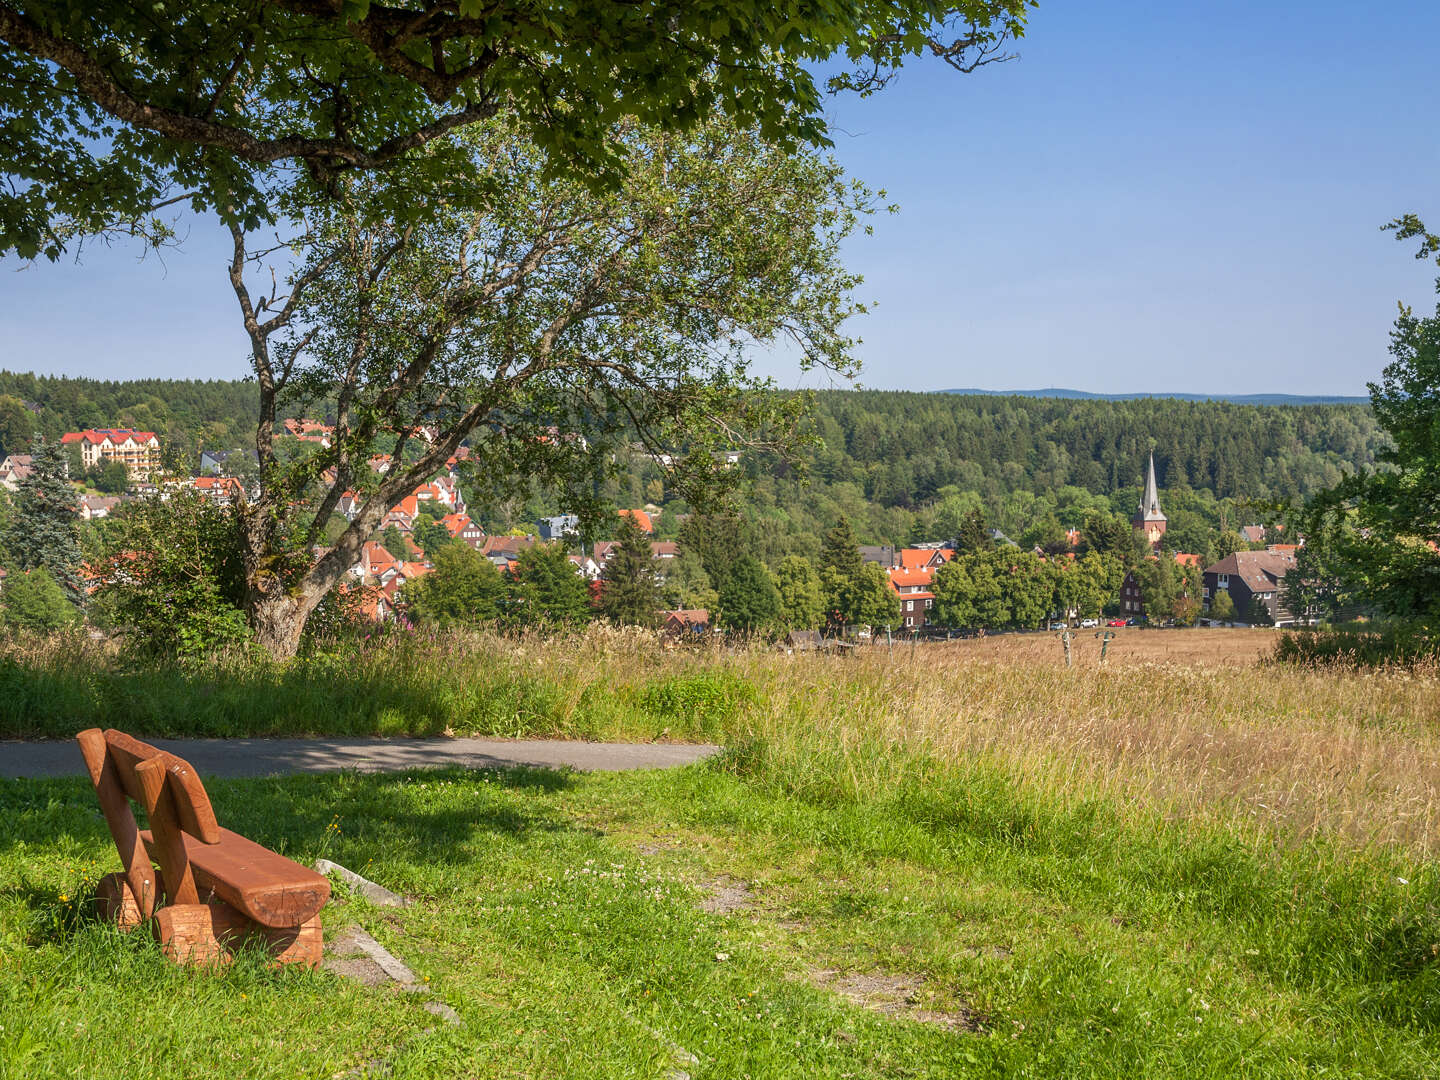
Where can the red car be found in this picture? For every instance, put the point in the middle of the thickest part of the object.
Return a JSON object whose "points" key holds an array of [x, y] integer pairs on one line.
{"points": [[1116, 622]]}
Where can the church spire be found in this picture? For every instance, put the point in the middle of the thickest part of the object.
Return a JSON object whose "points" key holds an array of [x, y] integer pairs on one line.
{"points": [[1150, 504], [1149, 518]]}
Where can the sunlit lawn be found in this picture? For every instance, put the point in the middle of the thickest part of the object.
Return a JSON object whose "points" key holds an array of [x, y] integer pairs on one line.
{"points": [[944, 926]]}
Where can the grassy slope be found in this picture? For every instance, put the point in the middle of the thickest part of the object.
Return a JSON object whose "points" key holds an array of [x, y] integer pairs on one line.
{"points": [[963, 827]]}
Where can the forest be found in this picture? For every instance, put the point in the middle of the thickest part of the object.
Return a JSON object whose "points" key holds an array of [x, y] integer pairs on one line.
{"points": [[902, 467]]}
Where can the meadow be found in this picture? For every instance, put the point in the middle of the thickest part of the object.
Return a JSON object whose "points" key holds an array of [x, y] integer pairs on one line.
{"points": [[957, 859]]}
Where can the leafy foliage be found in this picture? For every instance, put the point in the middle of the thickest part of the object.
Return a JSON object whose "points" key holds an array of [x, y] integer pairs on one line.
{"points": [[111, 108], [802, 605], [32, 601], [464, 589], [748, 601], [176, 581], [545, 590]]}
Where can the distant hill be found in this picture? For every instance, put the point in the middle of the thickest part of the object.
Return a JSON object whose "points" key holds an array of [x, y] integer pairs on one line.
{"points": [[1236, 399]]}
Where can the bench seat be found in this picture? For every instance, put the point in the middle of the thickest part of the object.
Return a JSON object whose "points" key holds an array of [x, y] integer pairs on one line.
{"points": [[261, 884]]}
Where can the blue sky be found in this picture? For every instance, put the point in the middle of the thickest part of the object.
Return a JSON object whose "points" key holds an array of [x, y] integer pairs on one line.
{"points": [[1154, 197]]}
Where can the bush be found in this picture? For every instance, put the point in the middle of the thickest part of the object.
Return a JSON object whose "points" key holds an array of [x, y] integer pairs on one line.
{"points": [[34, 601], [1390, 646]]}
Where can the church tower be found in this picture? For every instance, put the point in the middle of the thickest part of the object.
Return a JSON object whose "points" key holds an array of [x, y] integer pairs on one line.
{"points": [[1148, 518]]}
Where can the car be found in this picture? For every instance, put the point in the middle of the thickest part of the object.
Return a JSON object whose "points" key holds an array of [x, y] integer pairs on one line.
{"points": [[1117, 622], [1089, 624], [1059, 626]]}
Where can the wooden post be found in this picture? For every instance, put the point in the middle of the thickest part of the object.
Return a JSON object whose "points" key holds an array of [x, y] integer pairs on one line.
{"points": [[165, 827], [113, 804]]}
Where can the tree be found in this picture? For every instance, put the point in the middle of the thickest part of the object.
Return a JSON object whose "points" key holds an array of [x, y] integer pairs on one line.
{"points": [[686, 584], [45, 531], [840, 552], [545, 590], [32, 601], [17, 426], [1380, 529], [974, 534], [748, 601], [628, 593], [112, 110], [174, 578], [1222, 608], [108, 476], [393, 541], [464, 589], [431, 536], [717, 540], [1257, 612], [626, 315], [802, 607]]}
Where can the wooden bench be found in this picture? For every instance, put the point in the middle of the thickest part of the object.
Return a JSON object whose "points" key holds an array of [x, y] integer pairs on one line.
{"points": [[214, 888]]}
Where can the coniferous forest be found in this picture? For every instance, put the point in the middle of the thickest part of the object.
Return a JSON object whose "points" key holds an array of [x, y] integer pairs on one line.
{"points": [[903, 467]]}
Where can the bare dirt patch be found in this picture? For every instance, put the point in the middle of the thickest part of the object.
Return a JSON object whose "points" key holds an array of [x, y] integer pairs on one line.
{"points": [[892, 995], [725, 896]]}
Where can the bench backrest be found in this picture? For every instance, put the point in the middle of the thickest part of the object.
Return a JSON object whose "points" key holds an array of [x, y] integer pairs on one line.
{"points": [[123, 768], [193, 812]]}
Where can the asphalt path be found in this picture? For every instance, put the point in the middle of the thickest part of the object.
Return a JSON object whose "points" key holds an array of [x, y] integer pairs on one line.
{"points": [[228, 758]]}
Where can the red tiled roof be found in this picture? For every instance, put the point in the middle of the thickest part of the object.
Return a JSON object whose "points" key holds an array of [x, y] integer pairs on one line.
{"points": [[915, 558], [1186, 559], [101, 435], [641, 518]]}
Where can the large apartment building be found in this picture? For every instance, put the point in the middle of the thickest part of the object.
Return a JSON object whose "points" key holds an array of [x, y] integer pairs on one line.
{"points": [[138, 451]]}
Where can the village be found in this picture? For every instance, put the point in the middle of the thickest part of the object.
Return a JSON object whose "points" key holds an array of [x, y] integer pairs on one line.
{"points": [[1244, 587]]}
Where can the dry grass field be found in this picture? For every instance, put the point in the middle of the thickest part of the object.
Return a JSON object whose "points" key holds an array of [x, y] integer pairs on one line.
{"points": [[1129, 644]]}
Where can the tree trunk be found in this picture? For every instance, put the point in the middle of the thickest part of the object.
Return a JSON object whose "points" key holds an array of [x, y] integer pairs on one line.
{"points": [[279, 620]]}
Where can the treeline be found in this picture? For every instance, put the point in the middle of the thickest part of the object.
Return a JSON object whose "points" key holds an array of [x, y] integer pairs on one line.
{"points": [[188, 415], [901, 467]]}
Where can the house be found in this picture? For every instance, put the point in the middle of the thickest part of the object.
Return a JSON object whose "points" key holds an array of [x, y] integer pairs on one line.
{"points": [[1248, 575], [375, 563], [559, 527], [586, 567], [13, 469], [221, 490], [460, 527], [917, 558], [685, 621], [98, 506], [504, 550], [1149, 520], [223, 462], [641, 518], [1252, 534], [138, 451], [882, 555], [1132, 599], [913, 586], [310, 431]]}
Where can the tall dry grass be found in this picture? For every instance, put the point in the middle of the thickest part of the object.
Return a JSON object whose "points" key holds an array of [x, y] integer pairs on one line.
{"points": [[1184, 723]]}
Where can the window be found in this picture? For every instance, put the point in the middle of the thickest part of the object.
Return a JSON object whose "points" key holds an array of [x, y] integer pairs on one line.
{"points": [[909, 606], [929, 604], [1222, 581], [909, 621]]}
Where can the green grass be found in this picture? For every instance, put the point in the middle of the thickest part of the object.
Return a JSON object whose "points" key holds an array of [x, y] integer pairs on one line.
{"points": [[560, 916]]}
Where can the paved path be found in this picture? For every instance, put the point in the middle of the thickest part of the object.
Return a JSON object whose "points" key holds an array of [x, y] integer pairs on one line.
{"points": [[268, 757]]}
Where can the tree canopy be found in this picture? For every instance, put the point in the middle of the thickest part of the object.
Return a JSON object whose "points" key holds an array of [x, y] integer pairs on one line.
{"points": [[110, 108]]}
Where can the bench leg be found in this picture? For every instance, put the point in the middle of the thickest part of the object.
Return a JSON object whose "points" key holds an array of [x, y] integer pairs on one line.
{"points": [[206, 933], [115, 901]]}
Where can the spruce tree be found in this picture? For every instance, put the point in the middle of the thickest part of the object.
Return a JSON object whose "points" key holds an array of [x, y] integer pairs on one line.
{"points": [[748, 600], [46, 528], [840, 552], [628, 592]]}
